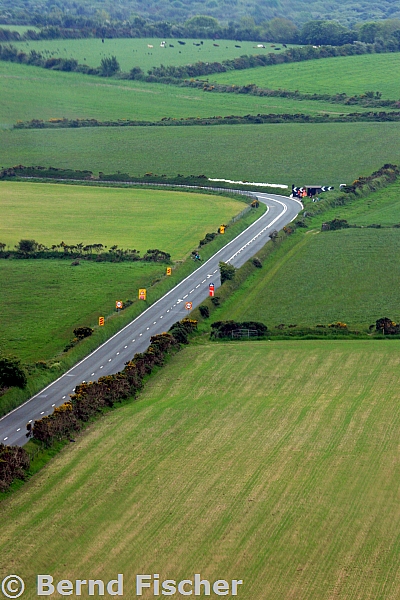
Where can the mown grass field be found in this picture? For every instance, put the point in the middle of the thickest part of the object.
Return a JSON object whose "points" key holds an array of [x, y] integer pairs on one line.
{"points": [[135, 52], [322, 277], [43, 301], [349, 74], [380, 208], [33, 93], [131, 218], [326, 154], [271, 462], [347, 275]]}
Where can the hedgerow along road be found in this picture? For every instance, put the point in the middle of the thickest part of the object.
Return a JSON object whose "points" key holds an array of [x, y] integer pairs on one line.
{"points": [[111, 356]]}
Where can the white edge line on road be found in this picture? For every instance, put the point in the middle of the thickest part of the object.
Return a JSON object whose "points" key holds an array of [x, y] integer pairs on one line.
{"points": [[150, 307]]}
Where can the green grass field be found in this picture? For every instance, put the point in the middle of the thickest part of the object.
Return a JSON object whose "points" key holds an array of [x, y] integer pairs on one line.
{"points": [[271, 462], [322, 277], [43, 301], [348, 275], [33, 93], [381, 207], [349, 74], [131, 218], [135, 52], [326, 154]]}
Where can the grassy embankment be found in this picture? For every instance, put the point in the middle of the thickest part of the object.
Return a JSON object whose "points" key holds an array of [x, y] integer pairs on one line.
{"points": [[319, 277], [275, 463]]}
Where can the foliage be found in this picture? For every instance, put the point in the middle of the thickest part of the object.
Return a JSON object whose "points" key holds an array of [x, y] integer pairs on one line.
{"points": [[226, 329], [14, 462], [83, 332], [11, 373], [204, 311], [26, 246], [109, 66], [334, 225], [227, 272], [91, 398], [387, 326]]}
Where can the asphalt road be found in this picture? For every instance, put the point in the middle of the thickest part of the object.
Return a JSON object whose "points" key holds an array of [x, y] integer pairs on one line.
{"points": [[111, 356]]}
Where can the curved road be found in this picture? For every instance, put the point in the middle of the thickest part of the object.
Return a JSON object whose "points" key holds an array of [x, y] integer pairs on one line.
{"points": [[111, 356]]}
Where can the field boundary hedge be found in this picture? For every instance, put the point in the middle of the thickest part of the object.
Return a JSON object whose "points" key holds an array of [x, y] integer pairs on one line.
{"points": [[258, 119], [92, 399], [178, 74]]}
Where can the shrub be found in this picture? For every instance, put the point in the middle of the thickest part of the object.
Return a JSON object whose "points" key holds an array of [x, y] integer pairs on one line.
{"points": [[204, 311], [257, 262], [26, 246], [83, 332], [227, 271], [11, 373]]}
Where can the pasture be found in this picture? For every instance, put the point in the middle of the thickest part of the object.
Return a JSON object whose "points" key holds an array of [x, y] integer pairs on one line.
{"points": [[271, 462], [380, 208], [135, 52], [33, 93], [349, 275], [326, 154], [131, 218], [349, 74], [43, 301]]}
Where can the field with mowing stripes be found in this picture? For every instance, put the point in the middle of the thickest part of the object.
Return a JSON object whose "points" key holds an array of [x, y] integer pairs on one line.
{"points": [[349, 74], [271, 462]]}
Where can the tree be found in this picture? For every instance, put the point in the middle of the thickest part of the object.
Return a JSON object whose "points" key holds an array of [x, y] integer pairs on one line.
{"points": [[26, 246], [109, 66], [282, 30], [227, 271], [325, 32], [11, 373]]}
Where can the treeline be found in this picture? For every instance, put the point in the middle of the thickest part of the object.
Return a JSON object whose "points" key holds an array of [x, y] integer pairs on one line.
{"points": [[32, 249], [47, 174], [282, 28]]}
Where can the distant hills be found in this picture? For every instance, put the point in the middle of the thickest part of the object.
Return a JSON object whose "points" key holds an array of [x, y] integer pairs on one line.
{"points": [[248, 12]]}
